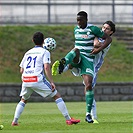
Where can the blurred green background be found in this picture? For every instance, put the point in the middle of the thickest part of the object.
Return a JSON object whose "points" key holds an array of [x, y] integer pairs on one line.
{"points": [[16, 40]]}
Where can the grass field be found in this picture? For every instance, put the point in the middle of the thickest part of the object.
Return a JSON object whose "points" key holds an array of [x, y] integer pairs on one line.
{"points": [[16, 40], [114, 117]]}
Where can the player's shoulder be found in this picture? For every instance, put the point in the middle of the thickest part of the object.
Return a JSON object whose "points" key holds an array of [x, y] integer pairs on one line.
{"points": [[38, 50], [45, 51], [28, 51], [93, 27], [76, 27], [89, 25], [96, 30]]}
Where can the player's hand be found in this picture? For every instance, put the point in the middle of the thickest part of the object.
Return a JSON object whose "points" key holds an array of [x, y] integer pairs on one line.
{"points": [[97, 45], [95, 51], [53, 87]]}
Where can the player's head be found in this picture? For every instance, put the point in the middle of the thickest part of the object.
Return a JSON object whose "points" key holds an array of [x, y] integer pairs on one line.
{"points": [[108, 27], [38, 38], [82, 19]]}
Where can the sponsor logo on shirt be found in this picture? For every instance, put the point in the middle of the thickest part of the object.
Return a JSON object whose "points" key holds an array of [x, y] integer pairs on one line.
{"points": [[89, 70], [30, 79], [84, 36]]}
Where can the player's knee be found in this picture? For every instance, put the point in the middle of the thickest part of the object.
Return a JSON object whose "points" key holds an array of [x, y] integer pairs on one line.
{"points": [[77, 57], [23, 100], [88, 86], [77, 51], [57, 96]]}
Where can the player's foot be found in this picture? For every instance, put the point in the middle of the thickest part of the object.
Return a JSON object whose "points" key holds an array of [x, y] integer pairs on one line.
{"points": [[14, 124], [95, 121], [55, 68], [88, 119], [72, 121], [62, 65]]}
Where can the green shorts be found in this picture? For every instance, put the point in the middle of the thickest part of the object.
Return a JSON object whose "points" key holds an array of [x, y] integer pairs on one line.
{"points": [[85, 65]]}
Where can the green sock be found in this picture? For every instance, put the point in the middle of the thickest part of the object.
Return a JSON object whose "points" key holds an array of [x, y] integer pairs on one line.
{"points": [[89, 100], [70, 56]]}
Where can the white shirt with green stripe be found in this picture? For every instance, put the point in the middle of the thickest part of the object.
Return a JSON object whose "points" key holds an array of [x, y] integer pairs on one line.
{"points": [[84, 39]]}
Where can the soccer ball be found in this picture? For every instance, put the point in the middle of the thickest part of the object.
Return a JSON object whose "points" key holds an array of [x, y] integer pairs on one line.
{"points": [[49, 43]]}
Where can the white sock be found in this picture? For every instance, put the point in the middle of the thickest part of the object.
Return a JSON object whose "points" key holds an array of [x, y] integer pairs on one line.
{"points": [[93, 110], [66, 68], [87, 113], [62, 107], [18, 111]]}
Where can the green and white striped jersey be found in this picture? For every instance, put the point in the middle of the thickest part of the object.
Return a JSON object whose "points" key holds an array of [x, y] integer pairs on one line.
{"points": [[84, 38]]}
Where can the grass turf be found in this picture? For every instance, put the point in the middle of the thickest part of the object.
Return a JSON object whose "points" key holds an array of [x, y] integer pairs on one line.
{"points": [[114, 117], [16, 40]]}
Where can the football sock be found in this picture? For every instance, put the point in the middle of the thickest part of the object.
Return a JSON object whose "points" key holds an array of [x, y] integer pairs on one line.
{"points": [[89, 100], [18, 111], [93, 110], [70, 56], [62, 107], [66, 68]]}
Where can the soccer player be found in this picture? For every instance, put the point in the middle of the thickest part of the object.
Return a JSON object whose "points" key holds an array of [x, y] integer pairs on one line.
{"points": [[35, 62], [109, 28], [82, 56]]}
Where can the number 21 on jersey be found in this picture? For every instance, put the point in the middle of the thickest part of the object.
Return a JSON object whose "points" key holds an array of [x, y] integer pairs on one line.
{"points": [[31, 61]]}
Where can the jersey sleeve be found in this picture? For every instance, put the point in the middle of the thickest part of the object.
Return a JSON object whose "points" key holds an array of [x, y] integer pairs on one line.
{"points": [[97, 31], [46, 57]]}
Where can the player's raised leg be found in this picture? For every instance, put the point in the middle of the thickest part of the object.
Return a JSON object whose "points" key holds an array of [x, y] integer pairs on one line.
{"points": [[72, 56]]}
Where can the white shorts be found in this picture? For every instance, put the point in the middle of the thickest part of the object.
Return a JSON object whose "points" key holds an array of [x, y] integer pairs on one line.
{"points": [[43, 88]]}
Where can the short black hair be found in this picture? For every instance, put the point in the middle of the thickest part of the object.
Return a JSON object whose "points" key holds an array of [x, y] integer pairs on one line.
{"points": [[38, 38], [82, 13], [111, 24]]}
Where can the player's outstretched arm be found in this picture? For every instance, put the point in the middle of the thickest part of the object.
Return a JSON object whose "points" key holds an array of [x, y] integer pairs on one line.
{"points": [[107, 41], [97, 43]]}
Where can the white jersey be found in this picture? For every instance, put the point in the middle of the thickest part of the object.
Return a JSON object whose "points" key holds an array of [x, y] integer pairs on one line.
{"points": [[98, 61], [33, 64], [33, 76]]}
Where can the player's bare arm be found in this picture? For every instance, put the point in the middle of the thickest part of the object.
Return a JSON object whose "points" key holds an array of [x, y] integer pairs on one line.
{"points": [[21, 70], [107, 41], [48, 73], [97, 43]]}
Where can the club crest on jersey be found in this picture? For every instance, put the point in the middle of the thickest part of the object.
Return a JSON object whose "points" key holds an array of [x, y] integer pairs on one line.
{"points": [[88, 33]]}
